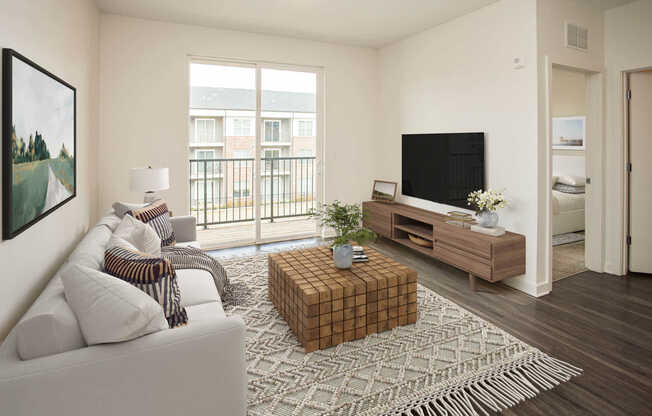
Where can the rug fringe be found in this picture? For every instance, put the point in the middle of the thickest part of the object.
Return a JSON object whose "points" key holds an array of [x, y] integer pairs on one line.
{"points": [[496, 390]]}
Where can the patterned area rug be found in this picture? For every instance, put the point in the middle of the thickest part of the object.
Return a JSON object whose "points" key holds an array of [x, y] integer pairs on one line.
{"points": [[450, 362]]}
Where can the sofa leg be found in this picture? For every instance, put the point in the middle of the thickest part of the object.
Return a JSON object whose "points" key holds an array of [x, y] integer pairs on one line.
{"points": [[472, 282]]}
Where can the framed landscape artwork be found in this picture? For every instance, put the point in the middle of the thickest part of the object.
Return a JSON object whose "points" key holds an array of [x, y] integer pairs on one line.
{"points": [[38, 143], [569, 133]]}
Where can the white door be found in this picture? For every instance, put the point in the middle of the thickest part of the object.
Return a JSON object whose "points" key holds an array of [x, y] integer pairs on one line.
{"points": [[640, 177]]}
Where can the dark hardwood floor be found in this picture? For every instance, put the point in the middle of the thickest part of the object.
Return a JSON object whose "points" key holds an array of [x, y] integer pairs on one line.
{"points": [[598, 322]]}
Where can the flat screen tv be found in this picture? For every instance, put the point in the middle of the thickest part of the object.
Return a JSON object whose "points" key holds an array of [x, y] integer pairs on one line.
{"points": [[443, 167]]}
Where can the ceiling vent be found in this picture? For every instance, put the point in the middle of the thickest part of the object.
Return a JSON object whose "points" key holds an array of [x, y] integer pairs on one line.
{"points": [[577, 37]]}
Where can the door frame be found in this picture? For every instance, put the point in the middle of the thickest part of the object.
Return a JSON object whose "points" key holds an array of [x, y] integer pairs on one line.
{"points": [[595, 130], [320, 131], [626, 160]]}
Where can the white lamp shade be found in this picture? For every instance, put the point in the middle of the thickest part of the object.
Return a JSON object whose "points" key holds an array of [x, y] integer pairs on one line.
{"points": [[149, 179]]}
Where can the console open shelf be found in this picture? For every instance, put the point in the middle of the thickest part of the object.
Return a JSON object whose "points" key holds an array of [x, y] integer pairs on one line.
{"points": [[421, 230]]}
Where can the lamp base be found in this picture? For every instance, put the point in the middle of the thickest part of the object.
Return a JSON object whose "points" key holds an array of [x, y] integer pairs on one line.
{"points": [[151, 196]]}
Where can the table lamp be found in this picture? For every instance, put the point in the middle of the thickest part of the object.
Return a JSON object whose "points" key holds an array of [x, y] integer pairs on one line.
{"points": [[149, 180]]}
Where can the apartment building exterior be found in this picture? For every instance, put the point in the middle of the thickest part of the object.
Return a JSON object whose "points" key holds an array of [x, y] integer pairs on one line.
{"points": [[222, 146]]}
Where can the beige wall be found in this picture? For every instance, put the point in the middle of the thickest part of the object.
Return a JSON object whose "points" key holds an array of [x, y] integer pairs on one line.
{"points": [[144, 102], [568, 98], [628, 31], [459, 77], [61, 36]]}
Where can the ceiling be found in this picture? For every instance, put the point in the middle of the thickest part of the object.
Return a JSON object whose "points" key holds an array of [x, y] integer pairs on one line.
{"points": [[371, 23]]}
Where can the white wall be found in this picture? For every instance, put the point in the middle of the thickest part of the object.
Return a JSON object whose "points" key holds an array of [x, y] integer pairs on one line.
{"points": [[459, 77], [61, 36], [628, 31], [144, 102], [568, 98]]}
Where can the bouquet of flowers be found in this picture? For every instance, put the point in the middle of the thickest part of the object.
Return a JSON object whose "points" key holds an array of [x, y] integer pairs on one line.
{"points": [[486, 200]]}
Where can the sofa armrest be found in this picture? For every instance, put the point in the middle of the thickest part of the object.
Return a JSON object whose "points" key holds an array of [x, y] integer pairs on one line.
{"points": [[198, 369], [185, 228]]}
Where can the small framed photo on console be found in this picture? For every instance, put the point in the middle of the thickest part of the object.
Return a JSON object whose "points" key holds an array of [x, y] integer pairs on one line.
{"points": [[384, 191]]}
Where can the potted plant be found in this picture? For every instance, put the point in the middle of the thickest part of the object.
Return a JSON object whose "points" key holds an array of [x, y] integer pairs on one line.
{"points": [[485, 204], [347, 222]]}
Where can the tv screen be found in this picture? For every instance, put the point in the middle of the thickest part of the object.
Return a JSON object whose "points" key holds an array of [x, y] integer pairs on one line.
{"points": [[443, 167]]}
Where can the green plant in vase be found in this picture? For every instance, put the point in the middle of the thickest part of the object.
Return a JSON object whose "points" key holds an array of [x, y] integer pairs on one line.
{"points": [[346, 220]]}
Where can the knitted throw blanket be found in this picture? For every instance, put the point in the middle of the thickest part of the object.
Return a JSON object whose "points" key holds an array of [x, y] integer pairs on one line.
{"points": [[194, 258]]}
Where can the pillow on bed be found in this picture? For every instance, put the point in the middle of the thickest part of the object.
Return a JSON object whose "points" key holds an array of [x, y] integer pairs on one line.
{"points": [[568, 189], [571, 180]]}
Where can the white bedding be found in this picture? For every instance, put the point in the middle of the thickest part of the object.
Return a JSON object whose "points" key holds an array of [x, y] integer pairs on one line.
{"points": [[563, 202]]}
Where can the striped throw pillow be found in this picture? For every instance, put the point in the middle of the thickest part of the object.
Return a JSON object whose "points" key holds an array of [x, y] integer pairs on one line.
{"points": [[153, 275], [157, 216]]}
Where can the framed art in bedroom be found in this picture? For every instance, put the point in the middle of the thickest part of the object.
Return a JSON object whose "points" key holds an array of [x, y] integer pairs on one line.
{"points": [[569, 133], [39, 149]]}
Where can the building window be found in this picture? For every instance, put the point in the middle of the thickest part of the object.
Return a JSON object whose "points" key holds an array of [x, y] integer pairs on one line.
{"points": [[272, 131], [240, 189], [304, 128], [269, 155], [205, 155], [241, 154], [305, 153], [242, 127], [212, 192], [204, 130]]}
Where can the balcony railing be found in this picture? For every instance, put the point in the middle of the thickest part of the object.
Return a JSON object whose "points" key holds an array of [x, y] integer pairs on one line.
{"points": [[221, 190]]}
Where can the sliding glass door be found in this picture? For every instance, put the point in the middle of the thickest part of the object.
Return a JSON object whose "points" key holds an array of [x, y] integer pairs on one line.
{"points": [[254, 149]]}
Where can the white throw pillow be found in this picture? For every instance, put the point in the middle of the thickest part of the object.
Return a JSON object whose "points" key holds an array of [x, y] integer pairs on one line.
{"points": [[108, 309], [140, 236], [572, 180]]}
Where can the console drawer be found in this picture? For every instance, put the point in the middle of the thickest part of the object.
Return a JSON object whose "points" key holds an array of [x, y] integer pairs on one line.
{"points": [[465, 240], [464, 260]]}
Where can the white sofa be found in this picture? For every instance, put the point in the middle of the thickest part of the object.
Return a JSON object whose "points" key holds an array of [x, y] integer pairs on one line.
{"points": [[197, 369]]}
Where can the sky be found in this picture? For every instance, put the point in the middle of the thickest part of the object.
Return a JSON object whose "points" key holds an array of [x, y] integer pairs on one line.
{"points": [[42, 104], [216, 76]]}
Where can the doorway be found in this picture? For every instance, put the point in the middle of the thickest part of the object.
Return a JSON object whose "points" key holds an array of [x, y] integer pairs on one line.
{"points": [[253, 151], [569, 117]]}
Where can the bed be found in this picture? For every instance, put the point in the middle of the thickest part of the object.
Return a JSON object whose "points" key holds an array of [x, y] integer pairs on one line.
{"points": [[567, 204]]}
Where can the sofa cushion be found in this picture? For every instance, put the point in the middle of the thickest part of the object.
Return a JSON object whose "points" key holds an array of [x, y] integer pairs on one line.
{"points": [[153, 275], [157, 216], [197, 287], [138, 234], [109, 309], [49, 327], [205, 312], [121, 208], [90, 251]]}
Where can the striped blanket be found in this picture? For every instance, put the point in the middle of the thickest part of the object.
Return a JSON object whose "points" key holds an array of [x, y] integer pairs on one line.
{"points": [[194, 258]]}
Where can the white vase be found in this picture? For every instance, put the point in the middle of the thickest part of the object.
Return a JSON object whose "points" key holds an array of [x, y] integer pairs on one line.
{"points": [[343, 256], [488, 219]]}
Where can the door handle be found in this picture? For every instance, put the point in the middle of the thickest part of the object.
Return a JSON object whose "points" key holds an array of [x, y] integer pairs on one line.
{"points": [[588, 181]]}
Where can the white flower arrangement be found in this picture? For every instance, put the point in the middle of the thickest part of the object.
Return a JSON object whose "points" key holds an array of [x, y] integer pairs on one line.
{"points": [[486, 200]]}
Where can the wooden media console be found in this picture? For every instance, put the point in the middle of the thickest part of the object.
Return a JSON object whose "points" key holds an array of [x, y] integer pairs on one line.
{"points": [[489, 258]]}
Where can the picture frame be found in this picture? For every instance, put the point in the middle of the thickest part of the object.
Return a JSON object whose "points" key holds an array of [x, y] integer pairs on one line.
{"points": [[569, 133], [384, 191], [39, 143]]}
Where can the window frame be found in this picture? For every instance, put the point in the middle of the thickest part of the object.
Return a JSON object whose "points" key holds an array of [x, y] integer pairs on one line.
{"points": [[280, 125], [212, 139], [305, 120]]}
